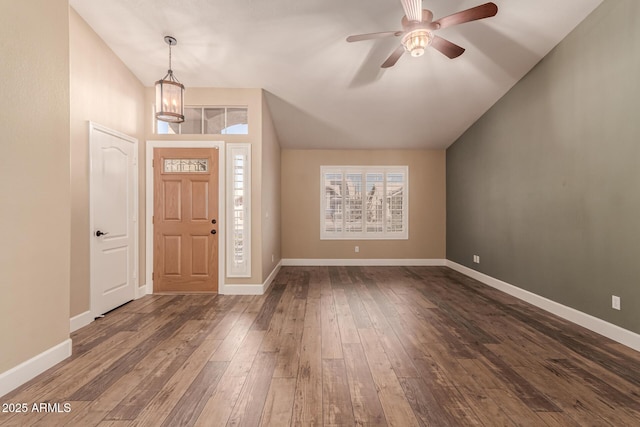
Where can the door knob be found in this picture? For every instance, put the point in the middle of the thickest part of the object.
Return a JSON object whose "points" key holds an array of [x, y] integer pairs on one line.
{"points": [[213, 221], [100, 233], [213, 231]]}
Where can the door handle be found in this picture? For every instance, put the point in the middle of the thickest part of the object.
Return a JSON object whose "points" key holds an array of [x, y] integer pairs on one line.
{"points": [[213, 231], [100, 233], [213, 221]]}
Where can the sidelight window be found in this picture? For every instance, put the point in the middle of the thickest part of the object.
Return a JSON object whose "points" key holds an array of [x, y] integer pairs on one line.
{"points": [[239, 210]]}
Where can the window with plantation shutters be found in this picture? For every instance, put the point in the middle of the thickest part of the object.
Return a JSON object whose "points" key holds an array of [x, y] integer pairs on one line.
{"points": [[364, 202], [239, 210]]}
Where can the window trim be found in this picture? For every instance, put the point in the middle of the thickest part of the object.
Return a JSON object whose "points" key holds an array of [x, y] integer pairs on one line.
{"points": [[364, 235]]}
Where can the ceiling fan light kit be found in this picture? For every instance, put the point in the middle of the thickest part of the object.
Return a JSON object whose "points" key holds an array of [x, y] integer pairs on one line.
{"points": [[170, 93], [418, 27], [417, 41]]}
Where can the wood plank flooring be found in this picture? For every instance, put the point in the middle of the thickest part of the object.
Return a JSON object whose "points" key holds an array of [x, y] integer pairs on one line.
{"points": [[337, 346]]}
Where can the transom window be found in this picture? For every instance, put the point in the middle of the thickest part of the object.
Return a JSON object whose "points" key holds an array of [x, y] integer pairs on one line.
{"points": [[364, 202], [208, 120]]}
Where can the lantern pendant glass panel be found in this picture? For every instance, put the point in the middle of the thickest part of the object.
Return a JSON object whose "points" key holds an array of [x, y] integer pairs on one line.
{"points": [[169, 100]]}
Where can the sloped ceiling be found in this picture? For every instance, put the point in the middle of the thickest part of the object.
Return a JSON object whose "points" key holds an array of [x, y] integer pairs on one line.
{"points": [[322, 91]]}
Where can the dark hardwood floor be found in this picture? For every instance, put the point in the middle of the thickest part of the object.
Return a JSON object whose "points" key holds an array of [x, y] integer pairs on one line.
{"points": [[338, 346]]}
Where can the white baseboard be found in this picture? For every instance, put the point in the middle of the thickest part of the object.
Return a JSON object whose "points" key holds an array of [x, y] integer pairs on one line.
{"points": [[15, 377], [267, 283], [80, 321], [363, 262], [609, 330], [252, 289]]}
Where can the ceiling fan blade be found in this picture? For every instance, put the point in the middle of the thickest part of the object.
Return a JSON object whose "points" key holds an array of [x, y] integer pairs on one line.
{"points": [[393, 58], [479, 12], [360, 37], [446, 47], [412, 9]]}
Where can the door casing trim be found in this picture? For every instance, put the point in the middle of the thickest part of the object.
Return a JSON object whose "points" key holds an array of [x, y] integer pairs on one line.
{"points": [[150, 145]]}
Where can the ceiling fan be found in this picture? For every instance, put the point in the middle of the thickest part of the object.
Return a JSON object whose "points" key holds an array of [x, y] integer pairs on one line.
{"points": [[418, 27]]}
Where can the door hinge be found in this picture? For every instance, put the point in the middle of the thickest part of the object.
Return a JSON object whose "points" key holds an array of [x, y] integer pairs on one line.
{"points": [[152, 275], [153, 219]]}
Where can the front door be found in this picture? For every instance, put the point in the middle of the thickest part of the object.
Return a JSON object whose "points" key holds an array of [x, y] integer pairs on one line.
{"points": [[113, 190], [185, 220]]}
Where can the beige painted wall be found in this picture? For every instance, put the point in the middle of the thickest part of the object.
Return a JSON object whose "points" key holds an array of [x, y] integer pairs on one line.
{"points": [[34, 178], [103, 91], [301, 205], [270, 193], [252, 98]]}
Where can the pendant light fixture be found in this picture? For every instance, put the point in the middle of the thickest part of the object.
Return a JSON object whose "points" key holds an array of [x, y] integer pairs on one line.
{"points": [[170, 93]]}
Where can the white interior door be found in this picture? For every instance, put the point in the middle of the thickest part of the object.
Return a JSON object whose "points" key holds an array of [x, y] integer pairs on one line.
{"points": [[113, 218]]}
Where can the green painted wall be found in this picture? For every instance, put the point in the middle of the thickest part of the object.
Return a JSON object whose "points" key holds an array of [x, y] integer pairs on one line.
{"points": [[545, 187]]}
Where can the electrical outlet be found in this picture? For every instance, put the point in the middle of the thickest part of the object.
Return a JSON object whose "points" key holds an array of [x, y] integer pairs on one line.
{"points": [[476, 259], [273, 258], [356, 249], [615, 302]]}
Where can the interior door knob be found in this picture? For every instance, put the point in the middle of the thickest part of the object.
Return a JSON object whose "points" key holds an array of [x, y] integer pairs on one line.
{"points": [[213, 231], [100, 233]]}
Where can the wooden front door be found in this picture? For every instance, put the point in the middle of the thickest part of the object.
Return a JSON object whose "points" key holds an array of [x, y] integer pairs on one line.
{"points": [[185, 220]]}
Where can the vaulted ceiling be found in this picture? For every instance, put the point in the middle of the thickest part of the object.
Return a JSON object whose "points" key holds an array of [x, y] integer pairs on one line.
{"points": [[322, 91]]}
